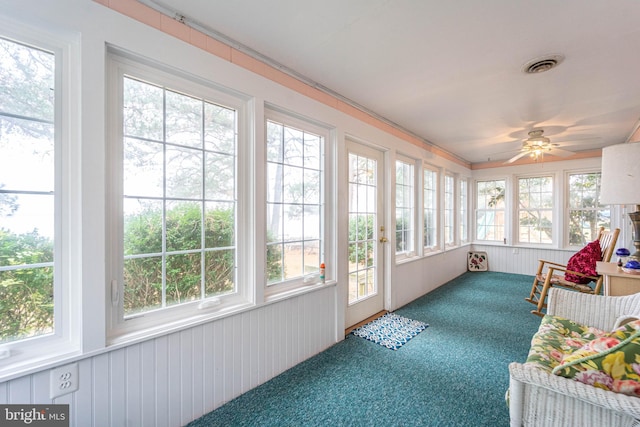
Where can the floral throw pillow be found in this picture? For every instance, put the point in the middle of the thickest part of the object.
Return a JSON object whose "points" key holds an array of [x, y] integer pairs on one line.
{"points": [[610, 362], [557, 337], [584, 262]]}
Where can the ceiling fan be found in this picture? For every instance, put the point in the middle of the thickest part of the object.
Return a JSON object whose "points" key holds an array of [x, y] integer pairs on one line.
{"points": [[536, 146]]}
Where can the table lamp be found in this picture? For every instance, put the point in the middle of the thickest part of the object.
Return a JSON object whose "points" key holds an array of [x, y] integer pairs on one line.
{"points": [[620, 183]]}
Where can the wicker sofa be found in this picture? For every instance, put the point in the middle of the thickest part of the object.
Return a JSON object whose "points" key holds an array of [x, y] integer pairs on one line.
{"points": [[539, 398]]}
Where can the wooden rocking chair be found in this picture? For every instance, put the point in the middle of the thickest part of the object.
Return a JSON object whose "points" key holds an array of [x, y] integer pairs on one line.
{"points": [[555, 274]]}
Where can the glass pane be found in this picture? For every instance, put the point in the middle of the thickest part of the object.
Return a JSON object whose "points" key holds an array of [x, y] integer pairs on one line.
{"points": [[311, 256], [220, 176], [220, 271], [184, 173], [311, 187], [274, 263], [293, 146], [353, 287], [142, 226], [183, 120], [312, 222], [27, 214], [27, 77], [142, 168], [274, 183], [27, 162], [142, 284], [275, 147], [220, 225], [293, 225], [293, 184], [293, 265], [311, 151], [30, 293], [275, 214], [183, 278], [219, 128], [143, 110], [183, 226]]}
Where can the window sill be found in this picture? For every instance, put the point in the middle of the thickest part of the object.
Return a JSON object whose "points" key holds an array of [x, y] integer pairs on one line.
{"points": [[19, 369], [292, 293]]}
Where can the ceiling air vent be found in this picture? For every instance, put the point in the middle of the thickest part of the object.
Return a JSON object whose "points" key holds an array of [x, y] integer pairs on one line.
{"points": [[540, 65]]}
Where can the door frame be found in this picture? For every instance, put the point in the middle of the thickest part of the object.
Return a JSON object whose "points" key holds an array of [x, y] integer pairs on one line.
{"points": [[383, 249]]}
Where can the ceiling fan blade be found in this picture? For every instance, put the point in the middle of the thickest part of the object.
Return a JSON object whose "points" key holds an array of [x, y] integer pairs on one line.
{"points": [[517, 156], [560, 152]]}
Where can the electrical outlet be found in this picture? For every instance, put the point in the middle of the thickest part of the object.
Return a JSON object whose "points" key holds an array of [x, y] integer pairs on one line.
{"points": [[63, 380]]}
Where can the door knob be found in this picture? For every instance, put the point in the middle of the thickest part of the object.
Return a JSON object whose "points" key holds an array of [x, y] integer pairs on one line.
{"points": [[383, 239]]}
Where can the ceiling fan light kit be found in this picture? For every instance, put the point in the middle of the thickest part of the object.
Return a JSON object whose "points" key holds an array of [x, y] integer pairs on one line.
{"points": [[536, 146]]}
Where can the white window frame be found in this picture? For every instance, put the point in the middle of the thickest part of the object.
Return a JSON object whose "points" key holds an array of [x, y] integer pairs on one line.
{"points": [[449, 213], [463, 209], [517, 210], [327, 201], [567, 213], [436, 246], [22, 355], [161, 320], [410, 251], [504, 211]]}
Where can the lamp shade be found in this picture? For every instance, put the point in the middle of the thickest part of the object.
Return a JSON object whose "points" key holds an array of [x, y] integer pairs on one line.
{"points": [[620, 183]]}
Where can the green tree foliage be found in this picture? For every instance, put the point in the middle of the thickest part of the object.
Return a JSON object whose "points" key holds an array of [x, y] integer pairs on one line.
{"points": [[585, 212], [143, 275], [26, 294], [361, 230]]}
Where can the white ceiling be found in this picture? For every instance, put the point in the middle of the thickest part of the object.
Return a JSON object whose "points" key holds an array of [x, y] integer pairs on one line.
{"points": [[450, 72]]}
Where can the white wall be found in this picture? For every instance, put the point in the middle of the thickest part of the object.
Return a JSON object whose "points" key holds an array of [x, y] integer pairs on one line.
{"points": [[171, 379]]}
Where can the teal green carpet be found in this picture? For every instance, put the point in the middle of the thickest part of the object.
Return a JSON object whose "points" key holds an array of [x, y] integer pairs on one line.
{"points": [[454, 373]]}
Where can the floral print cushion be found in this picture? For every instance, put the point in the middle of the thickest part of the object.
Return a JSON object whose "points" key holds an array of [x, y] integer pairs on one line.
{"points": [[557, 337], [610, 362]]}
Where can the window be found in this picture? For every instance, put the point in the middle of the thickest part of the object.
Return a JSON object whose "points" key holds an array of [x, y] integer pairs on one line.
{"points": [[177, 215], [586, 214], [535, 209], [430, 202], [35, 234], [295, 200], [490, 214], [464, 210], [449, 210], [404, 208]]}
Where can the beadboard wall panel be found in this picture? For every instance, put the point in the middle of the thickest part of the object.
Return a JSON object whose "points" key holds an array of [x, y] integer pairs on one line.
{"points": [[173, 379], [509, 259]]}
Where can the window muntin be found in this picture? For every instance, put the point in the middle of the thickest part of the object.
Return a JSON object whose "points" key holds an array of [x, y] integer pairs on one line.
{"points": [[294, 204], [464, 210], [490, 212], [449, 210], [430, 209], [179, 202], [363, 223], [586, 213], [29, 171], [535, 210], [405, 210], [174, 154]]}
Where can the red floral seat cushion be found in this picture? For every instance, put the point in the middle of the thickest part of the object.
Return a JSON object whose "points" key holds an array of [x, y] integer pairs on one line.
{"points": [[584, 262]]}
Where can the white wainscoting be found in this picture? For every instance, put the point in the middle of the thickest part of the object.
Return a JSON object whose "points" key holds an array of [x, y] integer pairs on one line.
{"points": [[510, 259], [174, 379], [415, 278]]}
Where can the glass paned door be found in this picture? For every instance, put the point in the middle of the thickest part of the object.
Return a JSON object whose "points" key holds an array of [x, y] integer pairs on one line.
{"points": [[366, 233]]}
